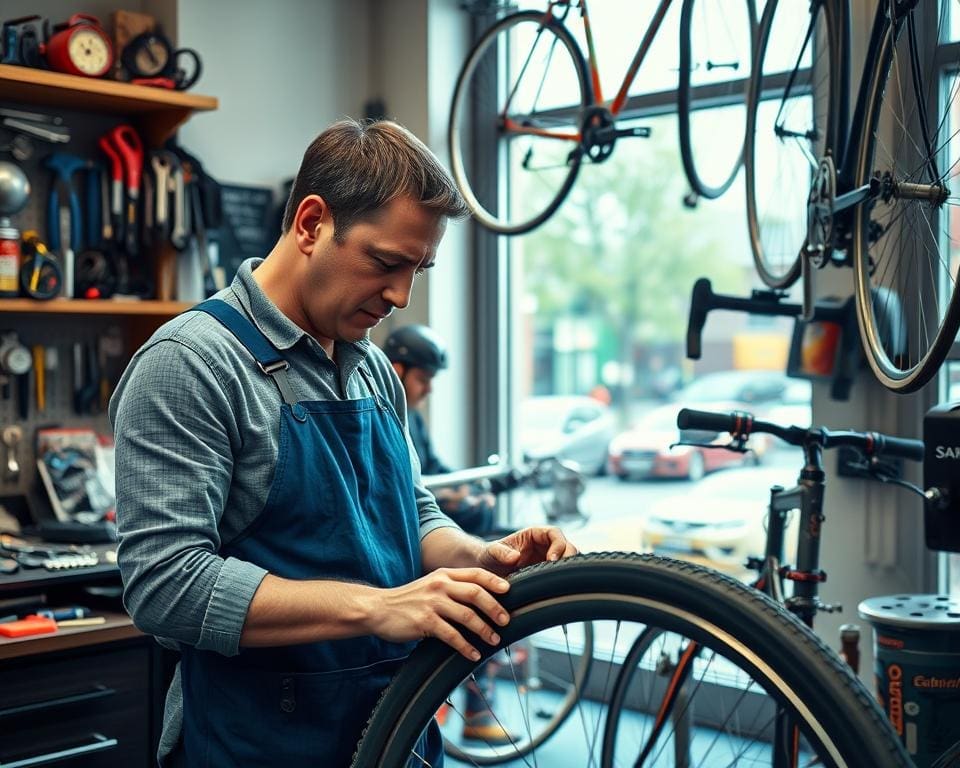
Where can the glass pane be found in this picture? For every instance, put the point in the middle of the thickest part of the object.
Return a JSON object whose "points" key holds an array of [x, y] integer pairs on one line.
{"points": [[618, 27], [949, 21], [599, 308]]}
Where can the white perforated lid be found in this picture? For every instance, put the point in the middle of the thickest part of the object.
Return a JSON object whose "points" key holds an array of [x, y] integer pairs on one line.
{"points": [[932, 611]]}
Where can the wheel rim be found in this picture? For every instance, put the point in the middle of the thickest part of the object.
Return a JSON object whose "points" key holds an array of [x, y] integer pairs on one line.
{"points": [[779, 164], [712, 38], [549, 96], [904, 258]]}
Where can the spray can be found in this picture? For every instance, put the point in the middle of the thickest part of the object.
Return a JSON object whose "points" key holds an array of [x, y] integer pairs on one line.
{"points": [[14, 193], [9, 261]]}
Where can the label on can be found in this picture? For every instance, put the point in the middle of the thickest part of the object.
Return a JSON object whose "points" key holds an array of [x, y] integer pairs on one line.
{"points": [[9, 268], [918, 681]]}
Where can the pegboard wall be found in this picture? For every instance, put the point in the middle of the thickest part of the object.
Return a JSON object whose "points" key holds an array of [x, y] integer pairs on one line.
{"points": [[80, 356], [100, 345], [73, 397]]}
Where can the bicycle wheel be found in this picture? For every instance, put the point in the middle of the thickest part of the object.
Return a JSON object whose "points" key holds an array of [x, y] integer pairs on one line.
{"points": [[549, 693], [905, 250], [793, 116], [517, 107], [716, 44], [762, 653]]}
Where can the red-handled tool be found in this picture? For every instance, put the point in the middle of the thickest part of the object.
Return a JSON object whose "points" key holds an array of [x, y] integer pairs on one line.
{"points": [[126, 142], [116, 184]]}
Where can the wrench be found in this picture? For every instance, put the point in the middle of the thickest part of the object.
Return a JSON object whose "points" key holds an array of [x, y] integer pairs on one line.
{"points": [[181, 211], [165, 164]]}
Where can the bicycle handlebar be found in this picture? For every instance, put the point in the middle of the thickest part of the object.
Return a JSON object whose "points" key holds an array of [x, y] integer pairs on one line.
{"points": [[741, 425]]}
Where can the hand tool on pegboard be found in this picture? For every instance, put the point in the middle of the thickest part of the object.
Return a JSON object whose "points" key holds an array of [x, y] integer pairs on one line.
{"points": [[39, 376], [16, 361], [40, 274], [64, 222]]}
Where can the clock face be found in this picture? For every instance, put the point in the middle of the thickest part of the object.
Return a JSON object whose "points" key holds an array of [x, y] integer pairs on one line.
{"points": [[89, 52], [151, 58]]}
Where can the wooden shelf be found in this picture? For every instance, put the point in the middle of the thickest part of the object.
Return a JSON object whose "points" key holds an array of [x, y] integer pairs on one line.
{"points": [[85, 307], [157, 111]]}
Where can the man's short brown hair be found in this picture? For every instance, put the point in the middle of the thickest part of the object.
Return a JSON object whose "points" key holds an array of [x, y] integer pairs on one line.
{"points": [[359, 167]]}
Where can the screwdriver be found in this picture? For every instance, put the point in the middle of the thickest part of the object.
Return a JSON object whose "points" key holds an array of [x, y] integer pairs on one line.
{"points": [[39, 368]]}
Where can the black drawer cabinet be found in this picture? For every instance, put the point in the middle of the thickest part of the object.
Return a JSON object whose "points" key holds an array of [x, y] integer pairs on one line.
{"points": [[85, 708]]}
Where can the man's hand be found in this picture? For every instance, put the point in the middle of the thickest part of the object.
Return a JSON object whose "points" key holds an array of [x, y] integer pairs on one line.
{"points": [[439, 605], [525, 547]]}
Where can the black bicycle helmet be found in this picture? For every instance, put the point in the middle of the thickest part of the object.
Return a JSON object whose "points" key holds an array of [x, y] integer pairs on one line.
{"points": [[417, 346]]}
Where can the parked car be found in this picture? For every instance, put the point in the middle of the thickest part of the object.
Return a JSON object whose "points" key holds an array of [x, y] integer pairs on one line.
{"points": [[793, 408], [649, 450], [720, 520], [570, 427], [748, 389]]}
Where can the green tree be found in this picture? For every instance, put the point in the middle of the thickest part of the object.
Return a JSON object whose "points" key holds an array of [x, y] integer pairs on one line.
{"points": [[623, 247]]}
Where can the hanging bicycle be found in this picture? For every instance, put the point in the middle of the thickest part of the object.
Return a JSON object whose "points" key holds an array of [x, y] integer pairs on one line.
{"points": [[529, 102]]}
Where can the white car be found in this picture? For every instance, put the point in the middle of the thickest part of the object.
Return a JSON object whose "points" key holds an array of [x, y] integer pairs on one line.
{"points": [[721, 520], [570, 427]]}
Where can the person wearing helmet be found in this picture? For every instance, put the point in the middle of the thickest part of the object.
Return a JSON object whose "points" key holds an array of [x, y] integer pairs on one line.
{"points": [[418, 354]]}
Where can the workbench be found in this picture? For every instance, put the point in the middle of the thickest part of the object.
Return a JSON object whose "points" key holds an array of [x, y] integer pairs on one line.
{"points": [[87, 697]]}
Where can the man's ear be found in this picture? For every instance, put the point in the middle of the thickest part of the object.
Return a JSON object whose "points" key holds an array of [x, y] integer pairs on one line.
{"points": [[313, 215], [399, 368]]}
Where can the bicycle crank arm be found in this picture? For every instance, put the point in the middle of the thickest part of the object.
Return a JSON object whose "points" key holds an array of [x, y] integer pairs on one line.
{"points": [[609, 134], [639, 132], [858, 195]]}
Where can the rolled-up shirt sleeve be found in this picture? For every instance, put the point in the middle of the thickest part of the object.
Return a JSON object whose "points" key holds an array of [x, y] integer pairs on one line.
{"points": [[175, 440]]}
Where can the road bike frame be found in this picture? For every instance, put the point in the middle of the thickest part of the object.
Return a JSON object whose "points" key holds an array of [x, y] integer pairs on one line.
{"points": [[597, 99]]}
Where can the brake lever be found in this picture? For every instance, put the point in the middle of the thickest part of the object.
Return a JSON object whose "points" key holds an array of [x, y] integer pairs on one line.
{"points": [[736, 445]]}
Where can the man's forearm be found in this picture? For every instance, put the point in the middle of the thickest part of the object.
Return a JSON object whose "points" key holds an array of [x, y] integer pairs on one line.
{"points": [[285, 612], [449, 548]]}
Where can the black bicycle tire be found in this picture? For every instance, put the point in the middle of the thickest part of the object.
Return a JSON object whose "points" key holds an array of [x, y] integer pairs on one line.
{"points": [[754, 98], [457, 154], [678, 596], [524, 748], [886, 372], [684, 103], [620, 687]]}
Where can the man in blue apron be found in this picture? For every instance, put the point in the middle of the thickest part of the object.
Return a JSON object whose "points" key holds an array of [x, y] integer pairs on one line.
{"points": [[272, 521]]}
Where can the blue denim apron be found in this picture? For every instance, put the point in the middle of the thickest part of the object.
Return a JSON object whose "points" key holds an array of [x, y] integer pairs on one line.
{"points": [[341, 507]]}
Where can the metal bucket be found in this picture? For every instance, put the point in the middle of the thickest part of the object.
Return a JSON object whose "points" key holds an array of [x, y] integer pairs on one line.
{"points": [[916, 650]]}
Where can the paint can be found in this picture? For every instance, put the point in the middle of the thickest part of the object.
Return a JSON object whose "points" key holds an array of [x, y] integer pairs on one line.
{"points": [[916, 650]]}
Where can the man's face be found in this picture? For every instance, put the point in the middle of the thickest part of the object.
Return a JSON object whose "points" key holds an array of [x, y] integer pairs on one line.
{"points": [[351, 286], [417, 384]]}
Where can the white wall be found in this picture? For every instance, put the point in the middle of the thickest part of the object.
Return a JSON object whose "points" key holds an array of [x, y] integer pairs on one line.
{"points": [[282, 71], [417, 48]]}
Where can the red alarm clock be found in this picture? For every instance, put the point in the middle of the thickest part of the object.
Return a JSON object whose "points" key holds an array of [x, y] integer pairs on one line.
{"points": [[80, 47]]}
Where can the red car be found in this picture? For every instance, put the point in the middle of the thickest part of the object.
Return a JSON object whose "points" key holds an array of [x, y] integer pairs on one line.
{"points": [[645, 450]]}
